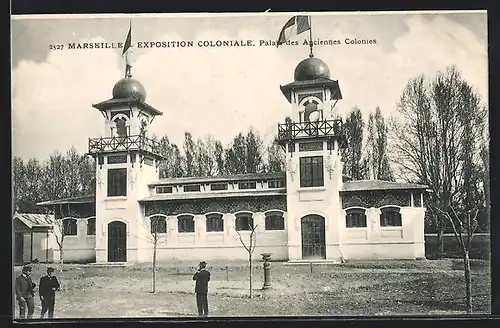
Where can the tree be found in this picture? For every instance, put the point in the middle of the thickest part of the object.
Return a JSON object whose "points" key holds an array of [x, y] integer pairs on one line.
{"points": [[254, 158], [275, 157], [235, 156], [157, 230], [353, 127], [189, 153], [439, 142], [61, 229], [250, 249], [219, 157], [377, 147]]}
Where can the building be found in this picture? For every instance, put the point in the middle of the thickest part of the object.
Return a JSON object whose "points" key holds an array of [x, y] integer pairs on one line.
{"points": [[311, 212]]}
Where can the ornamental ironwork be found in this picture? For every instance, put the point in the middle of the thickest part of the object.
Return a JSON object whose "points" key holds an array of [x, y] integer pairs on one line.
{"points": [[318, 95], [368, 199], [117, 143], [298, 130], [226, 205], [311, 146], [117, 159]]}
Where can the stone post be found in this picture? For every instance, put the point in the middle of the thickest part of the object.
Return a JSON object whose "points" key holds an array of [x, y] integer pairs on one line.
{"points": [[267, 270]]}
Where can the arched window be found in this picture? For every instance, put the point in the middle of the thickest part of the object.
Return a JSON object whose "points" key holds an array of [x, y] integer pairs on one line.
{"points": [[355, 218], [215, 222], [70, 227], [185, 223], [275, 221], [158, 224], [244, 222], [91, 227], [121, 126], [390, 217]]}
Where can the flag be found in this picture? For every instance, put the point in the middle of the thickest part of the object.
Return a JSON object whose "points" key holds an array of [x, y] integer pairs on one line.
{"points": [[128, 41], [298, 23]]}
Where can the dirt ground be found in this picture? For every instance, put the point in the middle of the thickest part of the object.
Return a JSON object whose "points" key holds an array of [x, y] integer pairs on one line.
{"points": [[360, 288]]}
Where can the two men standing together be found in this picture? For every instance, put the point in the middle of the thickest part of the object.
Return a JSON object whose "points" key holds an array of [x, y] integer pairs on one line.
{"points": [[25, 293]]}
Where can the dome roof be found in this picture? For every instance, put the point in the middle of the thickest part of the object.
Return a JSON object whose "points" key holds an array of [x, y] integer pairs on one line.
{"points": [[311, 69], [128, 87]]}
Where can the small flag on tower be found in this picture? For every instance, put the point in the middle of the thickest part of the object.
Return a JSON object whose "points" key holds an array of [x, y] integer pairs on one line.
{"points": [[128, 41], [297, 24]]}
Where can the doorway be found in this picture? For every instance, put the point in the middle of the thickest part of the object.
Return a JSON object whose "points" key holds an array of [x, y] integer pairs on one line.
{"points": [[117, 242], [313, 237]]}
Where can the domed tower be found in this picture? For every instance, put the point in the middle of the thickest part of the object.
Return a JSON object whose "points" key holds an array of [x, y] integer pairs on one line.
{"points": [[312, 140], [127, 161]]}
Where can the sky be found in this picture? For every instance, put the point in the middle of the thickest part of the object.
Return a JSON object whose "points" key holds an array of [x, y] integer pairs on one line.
{"points": [[222, 91]]}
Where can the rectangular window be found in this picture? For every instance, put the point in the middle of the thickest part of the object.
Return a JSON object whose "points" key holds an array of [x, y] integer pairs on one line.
{"points": [[276, 184], [215, 223], [158, 225], [247, 185], [218, 186], [164, 190], [70, 227], [275, 222], [311, 171], [185, 224], [90, 227], [244, 222], [117, 182], [390, 218], [192, 188], [355, 220]]}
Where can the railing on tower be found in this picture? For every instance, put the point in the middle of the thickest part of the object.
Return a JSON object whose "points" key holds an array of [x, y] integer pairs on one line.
{"points": [[298, 130], [135, 142]]}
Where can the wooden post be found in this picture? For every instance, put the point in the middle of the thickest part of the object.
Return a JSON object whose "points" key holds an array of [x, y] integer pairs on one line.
{"points": [[31, 245], [47, 247]]}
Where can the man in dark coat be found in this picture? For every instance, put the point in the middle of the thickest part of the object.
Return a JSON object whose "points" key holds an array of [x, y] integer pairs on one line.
{"points": [[25, 292], [202, 277], [47, 289]]}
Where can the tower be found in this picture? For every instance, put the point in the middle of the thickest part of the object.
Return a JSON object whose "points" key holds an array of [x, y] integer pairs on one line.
{"points": [[127, 160], [312, 139]]}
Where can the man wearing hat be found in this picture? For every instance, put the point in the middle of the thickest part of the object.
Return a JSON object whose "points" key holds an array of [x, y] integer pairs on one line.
{"points": [[25, 291], [48, 286], [202, 277]]}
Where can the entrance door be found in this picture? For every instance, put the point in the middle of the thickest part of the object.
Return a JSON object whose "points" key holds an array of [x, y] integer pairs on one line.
{"points": [[313, 237], [117, 242], [18, 247]]}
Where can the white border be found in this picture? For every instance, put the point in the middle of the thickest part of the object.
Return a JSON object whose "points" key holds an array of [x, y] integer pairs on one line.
{"points": [[197, 15]]}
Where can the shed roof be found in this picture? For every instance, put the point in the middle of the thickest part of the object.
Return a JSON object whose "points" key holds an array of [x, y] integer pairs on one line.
{"points": [[72, 200], [32, 220]]}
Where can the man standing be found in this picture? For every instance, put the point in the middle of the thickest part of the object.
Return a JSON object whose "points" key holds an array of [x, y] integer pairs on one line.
{"points": [[202, 277], [25, 291], [47, 289]]}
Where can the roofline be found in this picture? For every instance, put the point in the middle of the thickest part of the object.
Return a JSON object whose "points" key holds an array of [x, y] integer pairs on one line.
{"points": [[67, 201], [215, 179], [385, 189], [209, 195], [128, 101], [286, 89]]}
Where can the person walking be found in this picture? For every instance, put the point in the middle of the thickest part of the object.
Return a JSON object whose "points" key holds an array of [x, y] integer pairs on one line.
{"points": [[25, 292], [202, 277], [47, 289]]}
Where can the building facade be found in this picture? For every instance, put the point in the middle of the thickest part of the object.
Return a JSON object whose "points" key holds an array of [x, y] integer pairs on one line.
{"points": [[311, 212]]}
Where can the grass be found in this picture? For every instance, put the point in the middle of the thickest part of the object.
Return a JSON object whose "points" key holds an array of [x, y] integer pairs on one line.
{"points": [[480, 247], [357, 288]]}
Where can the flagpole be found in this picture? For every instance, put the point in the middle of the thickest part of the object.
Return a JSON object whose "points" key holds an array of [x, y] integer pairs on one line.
{"points": [[128, 67], [310, 37]]}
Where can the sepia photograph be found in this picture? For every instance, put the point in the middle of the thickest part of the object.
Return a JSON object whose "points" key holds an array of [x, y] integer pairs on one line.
{"points": [[250, 165]]}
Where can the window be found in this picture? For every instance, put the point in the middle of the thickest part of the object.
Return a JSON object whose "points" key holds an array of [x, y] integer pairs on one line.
{"points": [[158, 224], [244, 222], [117, 182], [191, 188], [311, 171], [276, 184], [164, 190], [275, 221], [90, 227], [121, 127], [247, 185], [390, 217], [70, 227], [185, 223], [355, 218], [218, 186], [215, 223]]}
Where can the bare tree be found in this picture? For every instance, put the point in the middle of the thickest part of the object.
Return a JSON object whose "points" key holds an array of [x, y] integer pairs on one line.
{"points": [[61, 229], [156, 234], [250, 249]]}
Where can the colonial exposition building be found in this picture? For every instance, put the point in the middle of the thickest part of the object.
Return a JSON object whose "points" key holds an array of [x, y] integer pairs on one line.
{"points": [[311, 212]]}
